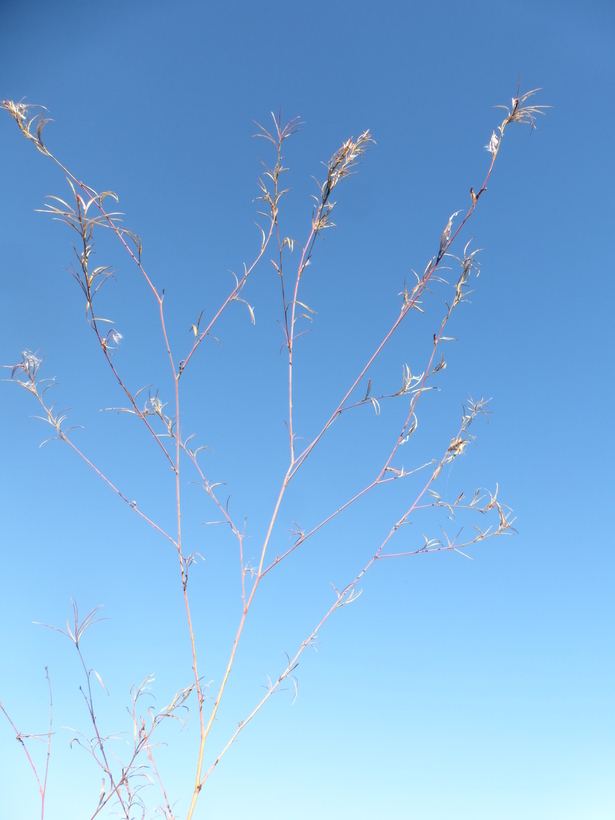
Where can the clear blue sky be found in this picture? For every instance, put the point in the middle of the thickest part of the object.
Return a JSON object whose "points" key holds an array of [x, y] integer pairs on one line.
{"points": [[452, 690]]}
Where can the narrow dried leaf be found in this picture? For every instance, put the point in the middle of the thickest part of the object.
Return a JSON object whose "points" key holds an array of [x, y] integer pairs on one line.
{"points": [[100, 681]]}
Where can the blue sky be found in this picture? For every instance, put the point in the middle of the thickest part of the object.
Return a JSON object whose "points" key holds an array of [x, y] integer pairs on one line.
{"points": [[451, 688]]}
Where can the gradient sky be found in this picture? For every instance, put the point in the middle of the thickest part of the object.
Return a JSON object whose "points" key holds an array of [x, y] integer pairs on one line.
{"points": [[453, 689]]}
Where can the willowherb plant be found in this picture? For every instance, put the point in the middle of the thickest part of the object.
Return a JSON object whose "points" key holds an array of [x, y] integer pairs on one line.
{"points": [[85, 212]]}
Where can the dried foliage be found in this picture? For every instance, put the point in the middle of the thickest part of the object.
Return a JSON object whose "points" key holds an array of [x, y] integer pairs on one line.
{"points": [[127, 782]]}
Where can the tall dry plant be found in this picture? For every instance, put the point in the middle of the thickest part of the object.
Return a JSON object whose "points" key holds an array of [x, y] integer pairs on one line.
{"points": [[86, 212]]}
